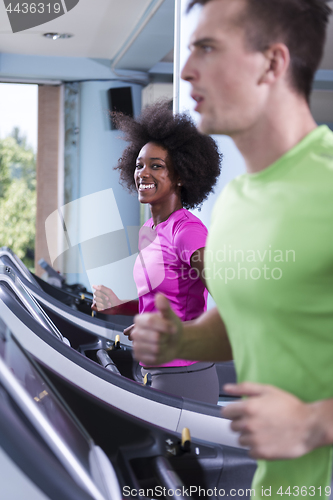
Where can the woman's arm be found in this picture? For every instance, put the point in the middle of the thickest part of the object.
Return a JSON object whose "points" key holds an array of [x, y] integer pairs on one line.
{"points": [[107, 302], [197, 262]]}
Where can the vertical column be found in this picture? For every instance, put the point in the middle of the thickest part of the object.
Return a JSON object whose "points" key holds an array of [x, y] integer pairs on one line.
{"points": [[185, 24], [103, 201], [176, 55], [233, 163], [48, 158], [70, 262]]}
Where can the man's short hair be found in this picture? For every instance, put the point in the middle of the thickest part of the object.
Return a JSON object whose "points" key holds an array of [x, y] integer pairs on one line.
{"points": [[299, 24]]}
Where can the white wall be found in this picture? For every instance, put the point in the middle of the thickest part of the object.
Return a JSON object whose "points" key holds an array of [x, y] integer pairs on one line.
{"points": [[100, 147], [233, 163], [97, 213]]}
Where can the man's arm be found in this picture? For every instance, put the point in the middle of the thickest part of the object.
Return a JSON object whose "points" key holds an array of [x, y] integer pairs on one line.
{"points": [[160, 337], [276, 425]]}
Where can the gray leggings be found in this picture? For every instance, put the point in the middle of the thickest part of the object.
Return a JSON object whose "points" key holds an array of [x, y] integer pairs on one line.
{"points": [[198, 381]]}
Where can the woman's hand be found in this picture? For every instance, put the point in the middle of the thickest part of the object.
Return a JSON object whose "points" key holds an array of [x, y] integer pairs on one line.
{"points": [[104, 298]]}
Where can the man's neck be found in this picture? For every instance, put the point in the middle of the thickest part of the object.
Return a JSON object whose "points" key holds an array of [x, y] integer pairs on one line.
{"points": [[283, 126]]}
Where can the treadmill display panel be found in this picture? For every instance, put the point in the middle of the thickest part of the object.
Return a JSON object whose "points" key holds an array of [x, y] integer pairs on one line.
{"points": [[44, 408]]}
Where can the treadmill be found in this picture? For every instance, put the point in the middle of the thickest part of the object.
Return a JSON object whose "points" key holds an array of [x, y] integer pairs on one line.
{"points": [[106, 331], [73, 372], [75, 296], [46, 453], [56, 308]]}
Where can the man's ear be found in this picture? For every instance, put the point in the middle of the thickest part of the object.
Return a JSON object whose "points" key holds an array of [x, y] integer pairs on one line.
{"points": [[277, 63]]}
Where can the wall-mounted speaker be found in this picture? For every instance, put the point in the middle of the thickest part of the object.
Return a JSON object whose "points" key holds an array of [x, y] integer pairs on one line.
{"points": [[120, 99]]}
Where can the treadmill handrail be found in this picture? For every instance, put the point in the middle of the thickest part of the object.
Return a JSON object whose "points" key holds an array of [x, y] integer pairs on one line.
{"points": [[10, 277], [45, 429], [173, 411], [170, 479], [22, 268], [105, 360]]}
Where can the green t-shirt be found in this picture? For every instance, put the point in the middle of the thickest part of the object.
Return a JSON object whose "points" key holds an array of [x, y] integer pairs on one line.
{"points": [[269, 268]]}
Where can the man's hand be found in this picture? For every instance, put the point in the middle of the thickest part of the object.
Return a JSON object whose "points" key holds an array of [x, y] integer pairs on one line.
{"points": [[272, 423], [156, 336], [104, 298]]}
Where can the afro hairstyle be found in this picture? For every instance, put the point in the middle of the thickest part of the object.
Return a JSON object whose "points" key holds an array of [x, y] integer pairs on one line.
{"points": [[194, 156]]}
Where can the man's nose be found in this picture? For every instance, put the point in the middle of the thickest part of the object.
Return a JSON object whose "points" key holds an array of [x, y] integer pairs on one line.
{"points": [[187, 72]]}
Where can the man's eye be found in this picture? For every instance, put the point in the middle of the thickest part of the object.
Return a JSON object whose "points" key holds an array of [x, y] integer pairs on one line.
{"points": [[206, 48]]}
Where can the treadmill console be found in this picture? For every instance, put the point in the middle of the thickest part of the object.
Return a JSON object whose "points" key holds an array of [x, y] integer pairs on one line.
{"points": [[53, 420]]}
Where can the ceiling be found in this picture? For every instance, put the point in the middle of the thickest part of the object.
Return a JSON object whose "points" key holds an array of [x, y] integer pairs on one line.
{"points": [[101, 29], [135, 34]]}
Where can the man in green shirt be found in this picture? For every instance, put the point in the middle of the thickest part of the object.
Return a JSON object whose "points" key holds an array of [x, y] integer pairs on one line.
{"points": [[269, 256]]}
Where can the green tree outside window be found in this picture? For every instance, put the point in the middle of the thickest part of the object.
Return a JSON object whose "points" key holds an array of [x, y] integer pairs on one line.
{"points": [[18, 196]]}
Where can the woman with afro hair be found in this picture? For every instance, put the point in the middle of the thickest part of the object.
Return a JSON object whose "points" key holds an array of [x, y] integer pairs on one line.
{"points": [[171, 167]]}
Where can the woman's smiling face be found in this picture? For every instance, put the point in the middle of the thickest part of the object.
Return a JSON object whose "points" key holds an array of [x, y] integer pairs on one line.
{"points": [[154, 175]]}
